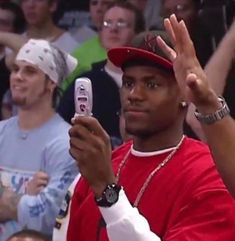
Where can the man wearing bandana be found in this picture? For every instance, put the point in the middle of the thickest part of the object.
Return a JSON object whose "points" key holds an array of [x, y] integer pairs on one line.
{"points": [[34, 144]]}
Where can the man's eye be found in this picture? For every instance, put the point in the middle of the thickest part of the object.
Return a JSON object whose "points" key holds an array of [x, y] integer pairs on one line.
{"points": [[14, 69], [31, 70], [152, 84], [127, 84]]}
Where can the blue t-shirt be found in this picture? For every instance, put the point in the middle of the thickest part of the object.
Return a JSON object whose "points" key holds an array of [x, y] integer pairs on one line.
{"points": [[22, 154]]}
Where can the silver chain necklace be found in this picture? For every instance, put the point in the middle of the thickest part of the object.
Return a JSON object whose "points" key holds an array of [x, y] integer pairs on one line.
{"points": [[151, 175]]}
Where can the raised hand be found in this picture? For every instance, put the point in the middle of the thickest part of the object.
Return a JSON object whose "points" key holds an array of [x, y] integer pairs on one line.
{"points": [[189, 74]]}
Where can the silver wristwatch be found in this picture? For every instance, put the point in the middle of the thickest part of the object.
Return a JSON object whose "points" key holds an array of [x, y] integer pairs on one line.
{"points": [[216, 116]]}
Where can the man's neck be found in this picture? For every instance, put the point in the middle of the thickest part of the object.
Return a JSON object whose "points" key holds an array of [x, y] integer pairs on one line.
{"points": [[160, 141], [48, 31], [33, 118]]}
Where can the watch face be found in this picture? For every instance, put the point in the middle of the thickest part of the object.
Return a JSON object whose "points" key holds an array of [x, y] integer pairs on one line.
{"points": [[111, 195]]}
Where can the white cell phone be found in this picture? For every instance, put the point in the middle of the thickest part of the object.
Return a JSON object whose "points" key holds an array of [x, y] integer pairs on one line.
{"points": [[83, 97]]}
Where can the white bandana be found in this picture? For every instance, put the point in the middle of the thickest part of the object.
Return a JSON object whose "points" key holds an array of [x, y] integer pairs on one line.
{"points": [[52, 61]]}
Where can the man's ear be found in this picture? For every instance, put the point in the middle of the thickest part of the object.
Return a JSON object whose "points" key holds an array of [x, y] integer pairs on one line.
{"points": [[51, 85]]}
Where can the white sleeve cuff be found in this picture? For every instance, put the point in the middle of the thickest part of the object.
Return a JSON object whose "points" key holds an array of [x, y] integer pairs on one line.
{"points": [[125, 222], [117, 211]]}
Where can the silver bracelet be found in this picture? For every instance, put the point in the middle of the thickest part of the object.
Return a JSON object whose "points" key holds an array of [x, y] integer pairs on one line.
{"points": [[216, 116]]}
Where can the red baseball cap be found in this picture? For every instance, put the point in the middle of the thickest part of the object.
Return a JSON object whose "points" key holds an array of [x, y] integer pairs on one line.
{"points": [[143, 47]]}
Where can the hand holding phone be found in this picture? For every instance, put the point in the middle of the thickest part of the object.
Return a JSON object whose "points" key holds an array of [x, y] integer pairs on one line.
{"points": [[83, 97]]}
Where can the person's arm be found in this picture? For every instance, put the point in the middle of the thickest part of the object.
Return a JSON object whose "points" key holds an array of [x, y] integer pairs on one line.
{"points": [[126, 223], [196, 221], [39, 212], [221, 140], [90, 146], [196, 89], [12, 41], [217, 70], [220, 63]]}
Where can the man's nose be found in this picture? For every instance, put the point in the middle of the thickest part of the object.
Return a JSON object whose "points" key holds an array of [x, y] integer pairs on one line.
{"points": [[136, 93]]}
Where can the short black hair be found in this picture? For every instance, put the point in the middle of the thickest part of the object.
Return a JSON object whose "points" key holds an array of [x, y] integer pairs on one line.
{"points": [[28, 233], [19, 20]]}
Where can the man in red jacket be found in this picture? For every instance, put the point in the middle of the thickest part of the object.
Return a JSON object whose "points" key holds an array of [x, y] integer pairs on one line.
{"points": [[162, 185]]}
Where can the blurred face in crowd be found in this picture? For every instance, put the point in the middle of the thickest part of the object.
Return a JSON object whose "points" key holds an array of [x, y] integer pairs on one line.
{"points": [[118, 27], [29, 85], [183, 9], [6, 20], [25, 239], [97, 11], [38, 12]]}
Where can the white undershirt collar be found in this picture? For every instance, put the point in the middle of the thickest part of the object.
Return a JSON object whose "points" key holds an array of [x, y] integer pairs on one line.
{"points": [[151, 153]]}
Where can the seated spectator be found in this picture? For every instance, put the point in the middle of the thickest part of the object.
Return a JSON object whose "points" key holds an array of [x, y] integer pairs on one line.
{"points": [[97, 9], [71, 15], [121, 23], [40, 25], [28, 235], [34, 144], [13, 42], [151, 10], [11, 20], [92, 50]]}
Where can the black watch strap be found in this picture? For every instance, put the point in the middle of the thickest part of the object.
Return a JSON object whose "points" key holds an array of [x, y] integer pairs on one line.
{"points": [[109, 196]]}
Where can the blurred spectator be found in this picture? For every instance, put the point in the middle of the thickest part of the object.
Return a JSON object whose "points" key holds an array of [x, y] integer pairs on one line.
{"points": [[97, 10], [34, 144], [40, 25], [151, 10], [28, 235], [91, 51], [71, 15], [188, 11], [11, 20], [121, 23]]}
